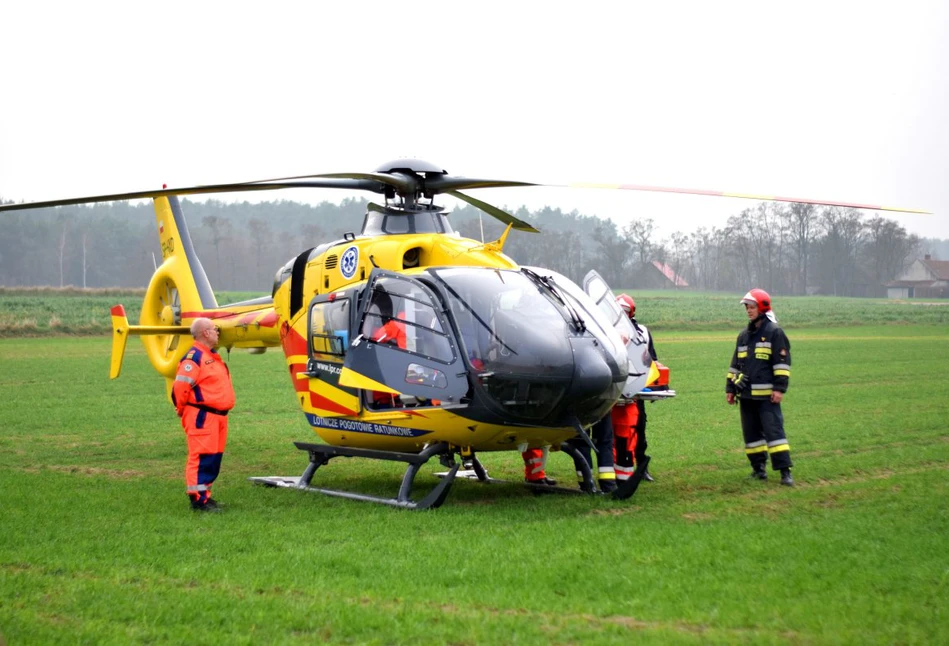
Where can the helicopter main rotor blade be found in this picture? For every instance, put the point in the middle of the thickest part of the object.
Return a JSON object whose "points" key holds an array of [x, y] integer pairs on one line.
{"points": [[352, 184], [397, 180], [494, 211], [431, 185], [748, 196], [445, 183]]}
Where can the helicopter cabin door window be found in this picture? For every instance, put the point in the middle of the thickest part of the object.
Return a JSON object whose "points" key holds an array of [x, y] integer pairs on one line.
{"points": [[405, 343], [329, 328]]}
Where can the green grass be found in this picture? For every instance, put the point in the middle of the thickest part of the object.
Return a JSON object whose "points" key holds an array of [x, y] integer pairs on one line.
{"points": [[44, 311], [97, 545], [70, 311]]}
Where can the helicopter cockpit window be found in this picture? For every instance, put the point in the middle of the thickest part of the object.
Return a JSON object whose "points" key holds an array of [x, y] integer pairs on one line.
{"points": [[514, 334], [381, 223], [400, 313], [329, 327]]}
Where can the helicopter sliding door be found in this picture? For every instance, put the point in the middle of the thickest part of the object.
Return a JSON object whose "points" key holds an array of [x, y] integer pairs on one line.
{"points": [[404, 343], [637, 347]]}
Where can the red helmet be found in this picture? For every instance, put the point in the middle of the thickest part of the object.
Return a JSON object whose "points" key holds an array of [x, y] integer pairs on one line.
{"points": [[627, 303], [760, 298]]}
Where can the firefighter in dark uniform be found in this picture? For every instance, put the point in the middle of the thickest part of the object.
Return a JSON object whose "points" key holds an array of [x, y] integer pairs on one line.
{"points": [[757, 380]]}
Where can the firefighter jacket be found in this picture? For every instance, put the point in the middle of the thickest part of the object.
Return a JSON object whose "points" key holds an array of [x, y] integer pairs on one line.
{"points": [[203, 381], [761, 362]]}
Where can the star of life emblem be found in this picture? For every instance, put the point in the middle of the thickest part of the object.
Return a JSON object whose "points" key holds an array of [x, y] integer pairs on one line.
{"points": [[349, 262]]}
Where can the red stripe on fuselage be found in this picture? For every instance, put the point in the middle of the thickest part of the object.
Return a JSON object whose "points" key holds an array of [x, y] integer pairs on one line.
{"points": [[324, 403]]}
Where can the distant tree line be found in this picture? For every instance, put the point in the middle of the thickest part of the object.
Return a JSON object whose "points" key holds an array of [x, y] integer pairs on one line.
{"points": [[788, 249]]}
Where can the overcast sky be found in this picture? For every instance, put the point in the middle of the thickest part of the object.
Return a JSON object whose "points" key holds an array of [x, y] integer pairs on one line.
{"points": [[835, 100]]}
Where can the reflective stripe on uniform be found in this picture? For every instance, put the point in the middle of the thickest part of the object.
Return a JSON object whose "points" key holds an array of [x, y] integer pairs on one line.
{"points": [[758, 390], [624, 473], [742, 355], [756, 447], [197, 487], [781, 370], [187, 380], [778, 445]]}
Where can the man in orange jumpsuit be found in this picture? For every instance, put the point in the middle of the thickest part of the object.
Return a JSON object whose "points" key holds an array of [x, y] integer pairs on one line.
{"points": [[203, 395]]}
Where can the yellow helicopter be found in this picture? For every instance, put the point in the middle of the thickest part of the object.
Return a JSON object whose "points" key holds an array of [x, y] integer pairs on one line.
{"points": [[407, 341]]}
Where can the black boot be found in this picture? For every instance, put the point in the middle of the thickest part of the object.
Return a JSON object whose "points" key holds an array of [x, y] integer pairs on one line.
{"points": [[760, 472], [204, 506], [607, 486], [786, 478]]}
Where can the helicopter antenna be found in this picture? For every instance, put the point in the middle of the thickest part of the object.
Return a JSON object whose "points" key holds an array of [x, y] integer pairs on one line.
{"points": [[481, 224]]}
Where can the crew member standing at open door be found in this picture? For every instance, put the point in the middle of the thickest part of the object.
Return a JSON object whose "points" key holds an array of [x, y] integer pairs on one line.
{"points": [[636, 444], [203, 395], [757, 380]]}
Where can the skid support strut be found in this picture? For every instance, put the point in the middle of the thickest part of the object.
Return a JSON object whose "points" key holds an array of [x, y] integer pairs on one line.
{"points": [[321, 454]]}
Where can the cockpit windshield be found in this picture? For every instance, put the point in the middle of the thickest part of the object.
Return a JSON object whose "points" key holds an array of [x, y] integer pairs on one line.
{"points": [[521, 333], [502, 315]]}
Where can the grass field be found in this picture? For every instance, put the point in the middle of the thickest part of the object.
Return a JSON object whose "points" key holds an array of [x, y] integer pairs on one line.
{"points": [[76, 312], [97, 545]]}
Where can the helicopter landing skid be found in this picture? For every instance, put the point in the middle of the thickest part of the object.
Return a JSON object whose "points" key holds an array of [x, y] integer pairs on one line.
{"points": [[321, 454], [479, 473], [624, 491]]}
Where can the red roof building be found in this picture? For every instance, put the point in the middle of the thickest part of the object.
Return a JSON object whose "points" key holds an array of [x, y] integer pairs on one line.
{"points": [[925, 278]]}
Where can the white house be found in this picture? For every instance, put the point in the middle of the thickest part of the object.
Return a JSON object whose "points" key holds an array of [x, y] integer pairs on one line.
{"points": [[925, 278]]}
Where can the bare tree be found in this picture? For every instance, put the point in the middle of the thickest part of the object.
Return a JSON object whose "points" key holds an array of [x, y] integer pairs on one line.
{"points": [[843, 235], [218, 231], [681, 256], [613, 253], [261, 238], [639, 234], [887, 249], [62, 249], [801, 221]]}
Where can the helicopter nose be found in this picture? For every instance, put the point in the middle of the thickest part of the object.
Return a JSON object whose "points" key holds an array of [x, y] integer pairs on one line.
{"points": [[597, 380]]}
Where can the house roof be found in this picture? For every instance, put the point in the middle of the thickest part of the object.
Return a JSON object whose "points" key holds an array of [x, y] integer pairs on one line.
{"points": [[673, 277], [912, 283], [939, 268]]}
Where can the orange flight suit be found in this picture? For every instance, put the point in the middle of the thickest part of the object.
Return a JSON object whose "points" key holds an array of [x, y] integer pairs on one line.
{"points": [[625, 417], [203, 395], [534, 465], [393, 332]]}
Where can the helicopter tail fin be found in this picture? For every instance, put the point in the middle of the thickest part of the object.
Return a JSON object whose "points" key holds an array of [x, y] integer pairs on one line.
{"points": [[178, 291], [120, 337]]}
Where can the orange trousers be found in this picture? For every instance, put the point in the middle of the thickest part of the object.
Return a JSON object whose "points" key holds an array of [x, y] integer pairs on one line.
{"points": [[207, 437], [534, 464]]}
